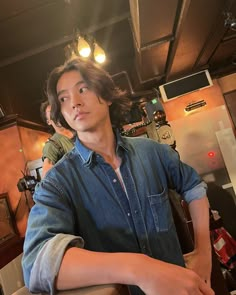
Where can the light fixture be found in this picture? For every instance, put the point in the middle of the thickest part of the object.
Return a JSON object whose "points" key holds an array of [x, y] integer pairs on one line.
{"points": [[230, 21], [195, 105], [83, 47], [70, 51], [99, 54]]}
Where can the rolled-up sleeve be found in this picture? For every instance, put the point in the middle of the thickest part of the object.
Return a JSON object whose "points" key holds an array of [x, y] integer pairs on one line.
{"points": [[182, 177], [47, 264], [198, 192], [50, 231]]}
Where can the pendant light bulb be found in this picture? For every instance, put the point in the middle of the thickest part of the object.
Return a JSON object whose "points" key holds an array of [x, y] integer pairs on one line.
{"points": [[99, 54], [83, 47]]}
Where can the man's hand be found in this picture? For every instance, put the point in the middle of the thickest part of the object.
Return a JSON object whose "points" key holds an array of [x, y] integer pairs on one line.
{"points": [[200, 263], [81, 268], [165, 279]]}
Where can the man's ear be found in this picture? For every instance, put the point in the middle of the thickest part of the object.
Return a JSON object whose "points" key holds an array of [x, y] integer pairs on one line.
{"points": [[49, 122]]}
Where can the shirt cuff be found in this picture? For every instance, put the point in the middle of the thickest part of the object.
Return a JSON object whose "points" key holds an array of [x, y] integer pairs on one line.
{"points": [[198, 192], [48, 261]]}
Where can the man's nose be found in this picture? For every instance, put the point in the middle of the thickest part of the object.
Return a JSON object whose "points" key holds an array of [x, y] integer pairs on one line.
{"points": [[76, 100]]}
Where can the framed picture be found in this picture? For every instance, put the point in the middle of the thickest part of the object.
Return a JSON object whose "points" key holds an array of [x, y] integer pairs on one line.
{"points": [[7, 223]]}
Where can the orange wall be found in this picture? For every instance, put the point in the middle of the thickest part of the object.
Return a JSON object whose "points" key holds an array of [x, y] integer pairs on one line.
{"points": [[32, 142], [227, 83], [18, 145], [213, 96], [195, 131]]}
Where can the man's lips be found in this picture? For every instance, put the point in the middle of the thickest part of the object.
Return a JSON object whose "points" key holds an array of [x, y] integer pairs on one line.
{"points": [[80, 115]]}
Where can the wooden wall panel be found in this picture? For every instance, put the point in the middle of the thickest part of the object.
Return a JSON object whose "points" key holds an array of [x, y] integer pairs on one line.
{"points": [[32, 142], [18, 145]]}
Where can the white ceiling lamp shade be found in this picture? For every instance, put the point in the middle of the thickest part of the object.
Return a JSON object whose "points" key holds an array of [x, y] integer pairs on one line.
{"points": [[83, 47], [99, 54]]}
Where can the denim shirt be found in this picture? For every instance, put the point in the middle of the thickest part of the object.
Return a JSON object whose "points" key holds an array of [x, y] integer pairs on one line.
{"points": [[82, 203]]}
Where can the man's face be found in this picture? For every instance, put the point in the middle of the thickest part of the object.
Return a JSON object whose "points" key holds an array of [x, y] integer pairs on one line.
{"points": [[83, 110]]}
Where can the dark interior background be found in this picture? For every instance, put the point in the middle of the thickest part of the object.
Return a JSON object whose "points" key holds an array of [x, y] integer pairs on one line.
{"points": [[147, 43]]}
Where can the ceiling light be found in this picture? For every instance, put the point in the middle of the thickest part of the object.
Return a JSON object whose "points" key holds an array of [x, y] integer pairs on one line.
{"points": [[99, 54], [83, 47]]}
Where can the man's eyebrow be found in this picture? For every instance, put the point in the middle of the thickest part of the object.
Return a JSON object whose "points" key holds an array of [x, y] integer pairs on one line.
{"points": [[76, 84]]}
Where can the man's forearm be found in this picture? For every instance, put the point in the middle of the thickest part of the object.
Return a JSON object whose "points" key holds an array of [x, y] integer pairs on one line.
{"points": [[199, 211], [80, 268]]}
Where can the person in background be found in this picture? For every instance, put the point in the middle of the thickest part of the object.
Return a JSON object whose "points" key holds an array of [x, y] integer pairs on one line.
{"points": [[102, 213], [58, 144]]}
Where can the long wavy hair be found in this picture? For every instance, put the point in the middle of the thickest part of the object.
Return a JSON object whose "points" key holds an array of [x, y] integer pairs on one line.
{"points": [[98, 81]]}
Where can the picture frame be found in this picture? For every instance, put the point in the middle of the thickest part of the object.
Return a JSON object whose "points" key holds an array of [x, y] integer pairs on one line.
{"points": [[7, 222]]}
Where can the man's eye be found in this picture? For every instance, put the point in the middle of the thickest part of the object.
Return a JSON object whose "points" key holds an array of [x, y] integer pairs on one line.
{"points": [[83, 89], [61, 99]]}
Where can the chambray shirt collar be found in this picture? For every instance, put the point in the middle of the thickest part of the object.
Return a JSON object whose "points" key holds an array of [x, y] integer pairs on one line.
{"points": [[87, 155]]}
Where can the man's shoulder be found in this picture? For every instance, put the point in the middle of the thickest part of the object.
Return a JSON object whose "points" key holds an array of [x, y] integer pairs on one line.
{"points": [[143, 143], [67, 163]]}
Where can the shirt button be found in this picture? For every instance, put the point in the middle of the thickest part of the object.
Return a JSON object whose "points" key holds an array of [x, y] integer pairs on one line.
{"points": [[128, 214], [136, 211], [114, 180]]}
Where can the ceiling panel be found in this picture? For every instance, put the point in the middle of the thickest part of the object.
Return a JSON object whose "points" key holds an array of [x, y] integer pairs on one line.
{"points": [[56, 21], [13, 8], [153, 61], [156, 19], [224, 53], [197, 28]]}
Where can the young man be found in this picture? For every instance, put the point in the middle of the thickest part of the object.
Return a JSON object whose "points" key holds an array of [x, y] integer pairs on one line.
{"points": [[58, 144], [102, 214]]}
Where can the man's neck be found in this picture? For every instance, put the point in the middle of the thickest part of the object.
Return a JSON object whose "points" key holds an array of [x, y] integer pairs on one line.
{"points": [[104, 144]]}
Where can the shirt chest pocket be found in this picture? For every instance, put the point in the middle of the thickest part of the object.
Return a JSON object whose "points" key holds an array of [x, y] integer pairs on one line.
{"points": [[161, 211]]}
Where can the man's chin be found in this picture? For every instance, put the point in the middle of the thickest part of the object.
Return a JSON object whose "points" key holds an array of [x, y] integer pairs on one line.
{"points": [[85, 129]]}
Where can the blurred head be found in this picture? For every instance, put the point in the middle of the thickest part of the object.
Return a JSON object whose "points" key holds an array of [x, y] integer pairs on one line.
{"points": [[98, 81], [45, 109]]}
